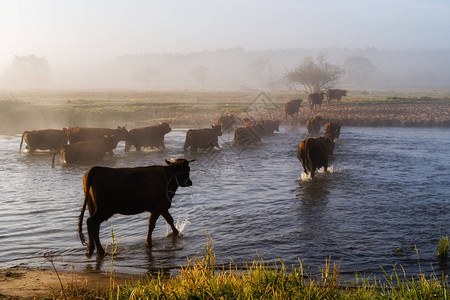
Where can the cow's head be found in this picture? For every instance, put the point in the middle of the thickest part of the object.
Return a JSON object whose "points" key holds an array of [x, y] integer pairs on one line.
{"points": [[182, 177], [217, 129], [122, 133], [165, 127]]}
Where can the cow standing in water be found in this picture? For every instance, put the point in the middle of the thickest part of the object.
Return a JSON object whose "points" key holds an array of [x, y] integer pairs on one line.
{"points": [[78, 134], [202, 138], [332, 129], [84, 151], [130, 191], [227, 121], [45, 139], [314, 153], [313, 125], [150, 136]]}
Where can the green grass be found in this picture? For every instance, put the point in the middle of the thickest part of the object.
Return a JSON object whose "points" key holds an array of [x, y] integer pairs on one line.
{"points": [[442, 250], [202, 278]]}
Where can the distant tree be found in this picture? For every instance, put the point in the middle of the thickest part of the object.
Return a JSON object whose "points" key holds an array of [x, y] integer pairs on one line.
{"points": [[146, 75], [200, 73], [256, 70], [28, 71], [359, 69], [315, 74]]}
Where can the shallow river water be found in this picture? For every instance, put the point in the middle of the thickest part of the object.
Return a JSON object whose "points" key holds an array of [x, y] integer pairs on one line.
{"points": [[385, 201]]}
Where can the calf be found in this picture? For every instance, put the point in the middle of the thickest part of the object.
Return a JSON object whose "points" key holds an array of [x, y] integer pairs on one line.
{"points": [[130, 191]]}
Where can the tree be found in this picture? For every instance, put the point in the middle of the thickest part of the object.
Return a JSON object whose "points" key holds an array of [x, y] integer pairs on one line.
{"points": [[200, 73], [315, 74], [359, 69], [147, 74]]}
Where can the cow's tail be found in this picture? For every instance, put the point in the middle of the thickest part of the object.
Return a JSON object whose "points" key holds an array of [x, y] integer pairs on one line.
{"points": [[56, 152], [87, 186], [21, 141]]}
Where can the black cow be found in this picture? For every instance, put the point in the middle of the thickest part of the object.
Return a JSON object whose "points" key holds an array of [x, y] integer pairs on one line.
{"points": [[150, 136], [130, 191], [315, 99], [45, 139]]}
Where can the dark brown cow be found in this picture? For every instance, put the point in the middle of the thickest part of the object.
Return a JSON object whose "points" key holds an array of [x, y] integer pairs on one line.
{"points": [[247, 136], [291, 108], [92, 150], [78, 134], [150, 136], [45, 139], [315, 99], [335, 94], [263, 127], [313, 125], [130, 191], [202, 138], [314, 153], [227, 121], [332, 129]]}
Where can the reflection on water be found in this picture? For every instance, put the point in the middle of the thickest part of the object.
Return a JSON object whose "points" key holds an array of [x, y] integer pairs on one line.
{"points": [[386, 189]]}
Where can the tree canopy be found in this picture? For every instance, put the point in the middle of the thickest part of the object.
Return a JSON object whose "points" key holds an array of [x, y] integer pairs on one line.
{"points": [[315, 74]]}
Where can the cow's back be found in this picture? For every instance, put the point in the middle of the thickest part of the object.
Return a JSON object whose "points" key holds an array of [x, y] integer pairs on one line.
{"points": [[46, 139]]}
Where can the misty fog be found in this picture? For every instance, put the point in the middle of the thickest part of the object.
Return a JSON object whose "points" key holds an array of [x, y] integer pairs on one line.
{"points": [[233, 68]]}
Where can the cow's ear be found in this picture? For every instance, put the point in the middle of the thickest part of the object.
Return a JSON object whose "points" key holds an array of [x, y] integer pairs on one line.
{"points": [[191, 160]]}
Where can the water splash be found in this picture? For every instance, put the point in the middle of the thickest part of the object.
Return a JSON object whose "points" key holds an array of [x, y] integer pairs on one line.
{"points": [[179, 225]]}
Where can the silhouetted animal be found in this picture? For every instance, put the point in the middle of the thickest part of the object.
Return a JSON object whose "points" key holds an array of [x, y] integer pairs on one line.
{"points": [[202, 138], [130, 191], [291, 108], [150, 136], [335, 94], [263, 127], [247, 136], [228, 122], [314, 153], [315, 99], [45, 139], [332, 129], [313, 125], [78, 134], [91, 150]]}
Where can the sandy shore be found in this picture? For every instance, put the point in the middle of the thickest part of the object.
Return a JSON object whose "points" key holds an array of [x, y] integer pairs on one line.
{"points": [[27, 283]]}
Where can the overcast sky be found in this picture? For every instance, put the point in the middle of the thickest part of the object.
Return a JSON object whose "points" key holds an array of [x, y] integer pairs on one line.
{"points": [[94, 30]]}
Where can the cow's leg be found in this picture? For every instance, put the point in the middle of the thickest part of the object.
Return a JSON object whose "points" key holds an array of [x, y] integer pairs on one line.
{"points": [[93, 224], [151, 225], [91, 243], [169, 220], [138, 147]]}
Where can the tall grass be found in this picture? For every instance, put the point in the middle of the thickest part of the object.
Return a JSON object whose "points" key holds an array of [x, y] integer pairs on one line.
{"points": [[202, 278], [442, 250]]}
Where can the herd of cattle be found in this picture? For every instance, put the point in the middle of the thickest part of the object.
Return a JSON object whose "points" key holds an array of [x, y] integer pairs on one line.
{"points": [[131, 191]]}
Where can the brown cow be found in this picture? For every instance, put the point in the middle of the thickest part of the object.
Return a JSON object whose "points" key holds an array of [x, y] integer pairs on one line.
{"points": [[291, 108], [332, 129], [263, 127], [202, 138], [246, 136], [78, 134], [335, 94], [150, 136], [130, 191], [92, 150], [314, 153], [315, 99], [45, 139], [227, 121], [313, 125]]}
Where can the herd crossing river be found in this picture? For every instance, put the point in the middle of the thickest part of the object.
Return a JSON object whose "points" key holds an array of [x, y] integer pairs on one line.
{"points": [[384, 201]]}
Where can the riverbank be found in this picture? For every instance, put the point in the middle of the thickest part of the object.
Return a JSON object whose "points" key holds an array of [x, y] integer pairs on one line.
{"points": [[195, 109]]}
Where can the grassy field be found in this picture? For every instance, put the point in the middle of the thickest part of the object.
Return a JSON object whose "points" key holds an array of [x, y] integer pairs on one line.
{"points": [[38, 109]]}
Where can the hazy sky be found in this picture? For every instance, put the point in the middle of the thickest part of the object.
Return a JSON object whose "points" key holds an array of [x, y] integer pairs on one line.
{"points": [[91, 30]]}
